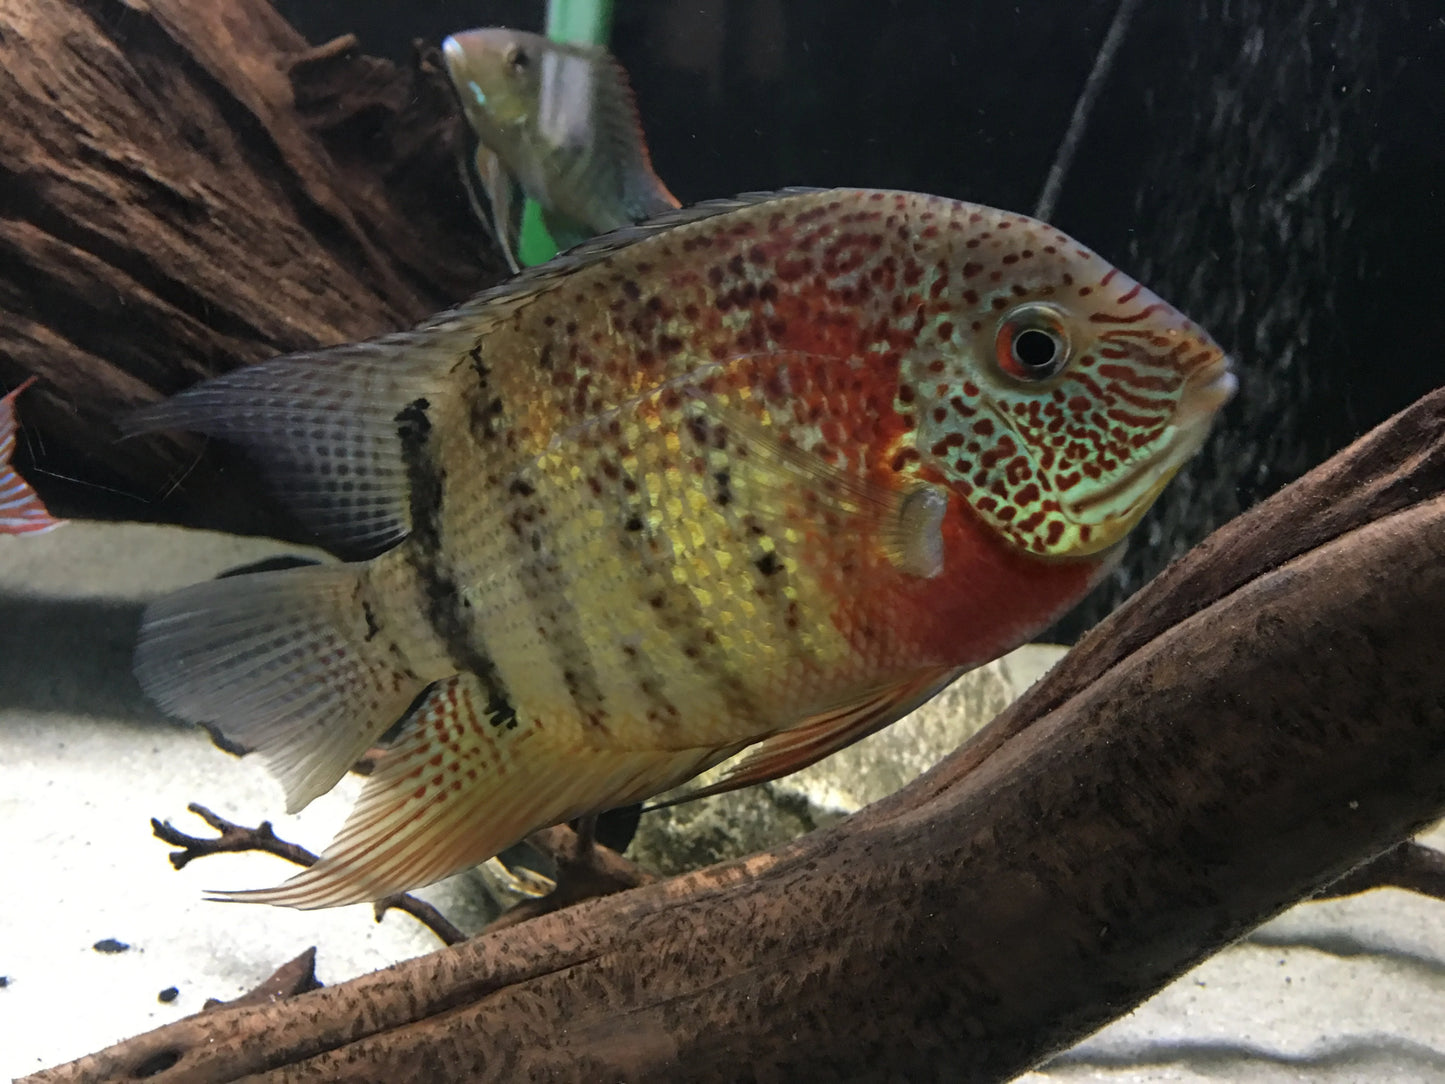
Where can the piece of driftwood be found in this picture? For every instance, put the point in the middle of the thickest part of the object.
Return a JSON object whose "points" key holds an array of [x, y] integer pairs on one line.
{"points": [[1261, 719], [295, 976], [186, 187]]}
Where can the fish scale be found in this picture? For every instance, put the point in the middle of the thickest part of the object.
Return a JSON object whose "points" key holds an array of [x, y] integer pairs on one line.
{"points": [[765, 473]]}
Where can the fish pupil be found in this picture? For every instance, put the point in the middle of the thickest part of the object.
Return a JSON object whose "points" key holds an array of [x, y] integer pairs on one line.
{"points": [[1035, 349], [518, 59]]}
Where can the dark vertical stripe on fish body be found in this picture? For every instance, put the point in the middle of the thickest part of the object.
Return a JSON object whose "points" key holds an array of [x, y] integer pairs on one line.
{"points": [[678, 612], [540, 577], [446, 605], [544, 582], [764, 557]]}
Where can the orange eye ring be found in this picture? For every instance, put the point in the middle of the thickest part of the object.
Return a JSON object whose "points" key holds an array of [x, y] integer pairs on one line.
{"points": [[1032, 344]]}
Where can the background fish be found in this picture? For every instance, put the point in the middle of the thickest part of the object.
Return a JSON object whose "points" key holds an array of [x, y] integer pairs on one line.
{"points": [[20, 509], [558, 122], [768, 472]]}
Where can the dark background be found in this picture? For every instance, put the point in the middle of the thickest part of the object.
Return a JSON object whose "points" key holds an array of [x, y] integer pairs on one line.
{"points": [[1273, 167]]}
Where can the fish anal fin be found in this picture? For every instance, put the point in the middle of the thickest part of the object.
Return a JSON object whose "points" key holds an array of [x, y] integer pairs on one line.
{"points": [[460, 786], [791, 750]]}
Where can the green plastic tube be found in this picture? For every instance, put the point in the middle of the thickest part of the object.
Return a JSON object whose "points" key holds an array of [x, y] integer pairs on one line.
{"points": [[588, 22]]}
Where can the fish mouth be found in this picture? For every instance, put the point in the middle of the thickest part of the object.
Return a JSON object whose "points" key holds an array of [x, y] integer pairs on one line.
{"points": [[1205, 391], [1129, 496], [454, 55]]}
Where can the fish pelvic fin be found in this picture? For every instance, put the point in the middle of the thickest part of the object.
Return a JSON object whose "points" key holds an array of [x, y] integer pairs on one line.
{"points": [[326, 428], [21, 511], [293, 665], [794, 749], [461, 784], [495, 196]]}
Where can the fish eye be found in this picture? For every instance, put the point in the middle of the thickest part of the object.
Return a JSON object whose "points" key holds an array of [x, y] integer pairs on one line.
{"points": [[517, 58], [1032, 343]]}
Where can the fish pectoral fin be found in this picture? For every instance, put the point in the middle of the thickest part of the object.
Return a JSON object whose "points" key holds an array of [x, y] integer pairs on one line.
{"points": [[285, 664], [791, 750], [21, 511], [326, 428], [460, 785]]}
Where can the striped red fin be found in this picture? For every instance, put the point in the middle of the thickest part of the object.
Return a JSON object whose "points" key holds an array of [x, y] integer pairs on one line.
{"points": [[460, 785], [815, 738], [20, 509]]}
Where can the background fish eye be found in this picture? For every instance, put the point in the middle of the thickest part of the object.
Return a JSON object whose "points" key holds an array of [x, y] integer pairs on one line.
{"points": [[1031, 344]]}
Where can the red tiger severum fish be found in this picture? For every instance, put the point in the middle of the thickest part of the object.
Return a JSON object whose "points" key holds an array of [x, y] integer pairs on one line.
{"points": [[20, 509], [768, 472]]}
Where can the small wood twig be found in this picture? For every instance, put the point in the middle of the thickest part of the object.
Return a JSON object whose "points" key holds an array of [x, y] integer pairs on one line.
{"points": [[235, 838], [1409, 865]]}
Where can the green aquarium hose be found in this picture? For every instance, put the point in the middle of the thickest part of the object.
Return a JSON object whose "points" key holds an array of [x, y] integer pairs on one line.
{"points": [[587, 22]]}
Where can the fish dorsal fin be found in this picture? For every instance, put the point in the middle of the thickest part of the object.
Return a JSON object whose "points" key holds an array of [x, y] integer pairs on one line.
{"points": [[537, 280], [458, 787], [621, 143], [325, 428], [815, 738]]}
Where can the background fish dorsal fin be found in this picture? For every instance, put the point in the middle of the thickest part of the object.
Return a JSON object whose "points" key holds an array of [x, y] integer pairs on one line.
{"points": [[622, 145]]}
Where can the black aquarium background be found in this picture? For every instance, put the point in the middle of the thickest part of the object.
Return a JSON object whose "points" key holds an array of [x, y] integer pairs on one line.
{"points": [[1276, 168]]}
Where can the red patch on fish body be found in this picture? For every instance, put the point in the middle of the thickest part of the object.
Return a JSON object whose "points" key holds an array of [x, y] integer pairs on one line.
{"points": [[990, 598]]}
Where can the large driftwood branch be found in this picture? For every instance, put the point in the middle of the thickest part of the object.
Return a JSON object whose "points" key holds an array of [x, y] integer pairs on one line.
{"points": [[186, 187], [1267, 715]]}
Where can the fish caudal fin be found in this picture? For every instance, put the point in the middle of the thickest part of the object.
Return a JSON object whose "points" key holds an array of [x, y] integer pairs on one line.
{"points": [[287, 664], [326, 427], [20, 509], [460, 785]]}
